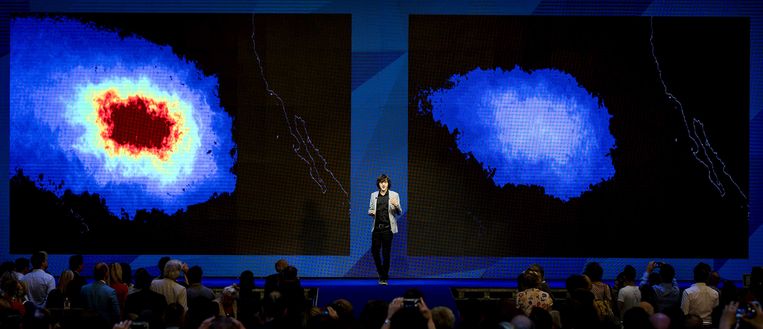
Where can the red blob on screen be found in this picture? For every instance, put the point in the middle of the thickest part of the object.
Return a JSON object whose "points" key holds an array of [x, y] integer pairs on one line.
{"points": [[137, 125]]}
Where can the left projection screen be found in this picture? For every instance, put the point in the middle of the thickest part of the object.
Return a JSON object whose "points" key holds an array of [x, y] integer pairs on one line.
{"points": [[177, 133]]}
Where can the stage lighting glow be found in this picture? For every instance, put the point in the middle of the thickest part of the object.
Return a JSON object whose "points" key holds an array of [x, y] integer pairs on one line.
{"points": [[118, 116], [533, 128]]}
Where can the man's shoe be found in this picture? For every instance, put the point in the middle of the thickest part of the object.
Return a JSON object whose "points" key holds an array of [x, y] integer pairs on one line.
{"points": [[383, 282]]}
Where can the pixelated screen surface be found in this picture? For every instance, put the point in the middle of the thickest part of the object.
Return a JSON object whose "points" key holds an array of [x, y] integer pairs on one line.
{"points": [[556, 136], [155, 129], [392, 54]]}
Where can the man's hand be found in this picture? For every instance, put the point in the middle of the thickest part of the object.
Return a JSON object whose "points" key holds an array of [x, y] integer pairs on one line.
{"points": [[395, 306], [395, 202], [757, 321], [426, 312], [728, 317]]}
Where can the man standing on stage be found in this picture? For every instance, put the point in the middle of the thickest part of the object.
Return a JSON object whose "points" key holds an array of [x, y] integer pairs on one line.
{"points": [[384, 208]]}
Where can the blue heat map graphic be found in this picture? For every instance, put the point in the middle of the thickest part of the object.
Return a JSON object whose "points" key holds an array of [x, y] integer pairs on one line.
{"points": [[122, 117], [539, 128]]}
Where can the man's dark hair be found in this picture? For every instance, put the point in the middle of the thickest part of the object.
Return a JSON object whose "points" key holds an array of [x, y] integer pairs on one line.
{"points": [[382, 178], [289, 273], [21, 264], [575, 282], [702, 272], [162, 262], [142, 279], [38, 258], [75, 261], [667, 273], [194, 274], [594, 271]]}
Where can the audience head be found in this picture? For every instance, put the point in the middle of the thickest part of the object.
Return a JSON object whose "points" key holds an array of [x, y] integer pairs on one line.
{"points": [[76, 262], [66, 277], [101, 272], [660, 321], [142, 279], [39, 260], [115, 273], [373, 314], [714, 279], [246, 280], [541, 318], [530, 279], [636, 318], [647, 307], [594, 271], [281, 264], [7, 267], [629, 269], [194, 274], [667, 273], [289, 273], [172, 269], [702, 272], [537, 268], [160, 265], [9, 284], [629, 277], [577, 282], [22, 265], [443, 318], [522, 322]]}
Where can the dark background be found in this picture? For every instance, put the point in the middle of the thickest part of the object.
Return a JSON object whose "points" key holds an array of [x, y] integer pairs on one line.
{"points": [[276, 207], [660, 199]]}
